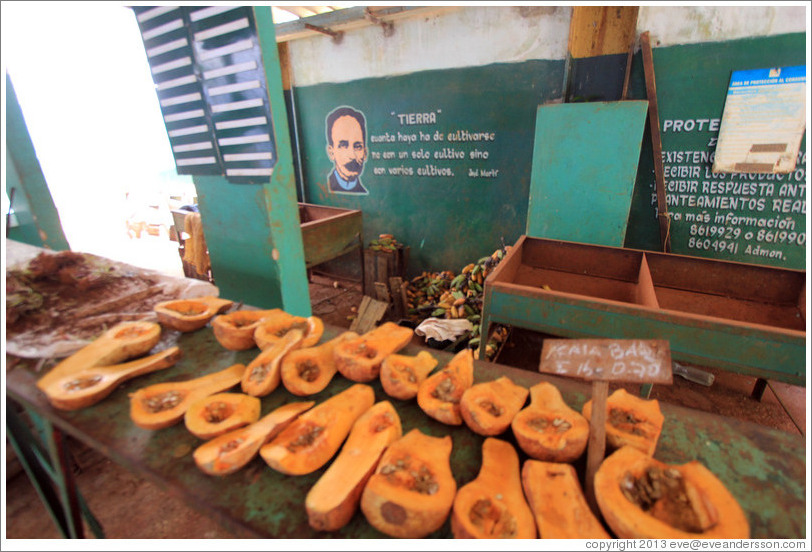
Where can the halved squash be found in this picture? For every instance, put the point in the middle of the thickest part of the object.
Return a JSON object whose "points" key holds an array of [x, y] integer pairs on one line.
{"points": [[488, 408], [439, 395], [641, 497], [558, 502], [87, 387], [334, 499], [310, 441], [548, 429], [492, 506], [164, 404], [262, 374], [360, 359], [308, 371], [188, 315], [122, 341], [631, 420], [233, 450], [274, 328], [412, 490], [220, 413], [235, 330], [401, 375]]}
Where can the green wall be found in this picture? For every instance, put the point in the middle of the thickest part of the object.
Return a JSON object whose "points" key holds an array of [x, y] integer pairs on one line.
{"points": [[448, 221], [692, 82]]}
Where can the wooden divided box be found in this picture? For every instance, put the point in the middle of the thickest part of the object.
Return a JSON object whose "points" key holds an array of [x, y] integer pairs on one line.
{"points": [[738, 317], [329, 232]]}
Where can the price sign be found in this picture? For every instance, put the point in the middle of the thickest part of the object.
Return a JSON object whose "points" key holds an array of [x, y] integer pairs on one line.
{"points": [[601, 361], [628, 360]]}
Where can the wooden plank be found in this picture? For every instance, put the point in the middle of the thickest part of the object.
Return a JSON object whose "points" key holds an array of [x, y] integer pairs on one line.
{"points": [[369, 313], [601, 30], [596, 448], [398, 295], [656, 142], [382, 292]]}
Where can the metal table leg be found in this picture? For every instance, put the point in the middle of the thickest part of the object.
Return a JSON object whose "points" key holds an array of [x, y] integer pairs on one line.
{"points": [[46, 461]]}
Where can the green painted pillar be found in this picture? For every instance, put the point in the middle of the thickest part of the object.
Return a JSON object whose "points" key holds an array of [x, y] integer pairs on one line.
{"points": [[37, 218], [252, 230]]}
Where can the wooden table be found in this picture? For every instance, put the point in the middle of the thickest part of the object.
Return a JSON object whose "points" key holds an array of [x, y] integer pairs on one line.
{"points": [[765, 469]]}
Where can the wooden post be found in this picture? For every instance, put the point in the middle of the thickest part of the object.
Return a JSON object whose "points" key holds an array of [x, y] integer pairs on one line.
{"points": [[596, 448], [601, 361]]}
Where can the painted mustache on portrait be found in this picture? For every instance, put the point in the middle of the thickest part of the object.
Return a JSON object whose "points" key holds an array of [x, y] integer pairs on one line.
{"points": [[354, 166]]}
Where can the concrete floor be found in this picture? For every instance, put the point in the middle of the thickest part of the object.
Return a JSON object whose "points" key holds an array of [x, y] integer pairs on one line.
{"points": [[117, 497]]}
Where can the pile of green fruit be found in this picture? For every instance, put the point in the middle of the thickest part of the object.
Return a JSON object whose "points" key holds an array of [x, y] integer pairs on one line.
{"points": [[447, 295]]}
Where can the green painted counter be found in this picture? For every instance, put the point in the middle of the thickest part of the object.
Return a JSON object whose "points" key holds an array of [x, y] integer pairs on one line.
{"points": [[765, 469]]}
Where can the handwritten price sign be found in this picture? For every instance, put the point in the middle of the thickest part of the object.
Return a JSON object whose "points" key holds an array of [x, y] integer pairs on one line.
{"points": [[629, 360]]}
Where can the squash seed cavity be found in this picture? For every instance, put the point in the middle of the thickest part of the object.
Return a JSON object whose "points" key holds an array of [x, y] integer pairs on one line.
{"points": [[217, 411], [403, 474], [382, 422], [665, 495], [626, 421], [82, 383], [559, 425], [260, 372], [306, 438], [163, 401], [231, 445], [364, 350], [493, 520], [308, 370], [491, 408], [444, 391], [407, 372]]}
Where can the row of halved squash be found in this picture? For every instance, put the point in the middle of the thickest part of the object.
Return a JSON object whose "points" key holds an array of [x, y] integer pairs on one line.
{"points": [[287, 439]]}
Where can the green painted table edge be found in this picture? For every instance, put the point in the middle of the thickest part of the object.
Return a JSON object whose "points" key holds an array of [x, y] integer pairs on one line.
{"points": [[765, 469]]}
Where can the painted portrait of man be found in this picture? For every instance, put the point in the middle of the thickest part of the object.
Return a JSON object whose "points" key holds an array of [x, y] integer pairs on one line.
{"points": [[347, 149]]}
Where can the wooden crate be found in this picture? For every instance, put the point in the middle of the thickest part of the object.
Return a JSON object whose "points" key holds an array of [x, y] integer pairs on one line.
{"points": [[380, 266], [739, 317]]}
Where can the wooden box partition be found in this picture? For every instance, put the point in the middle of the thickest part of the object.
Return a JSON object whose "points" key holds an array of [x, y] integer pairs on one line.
{"points": [[738, 317]]}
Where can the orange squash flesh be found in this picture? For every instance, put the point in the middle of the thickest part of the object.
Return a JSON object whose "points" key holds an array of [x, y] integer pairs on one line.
{"points": [[440, 394], [360, 359], [334, 499], [412, 490], [548, 429], [262, 374], [558, 502], [401, 375], [188, 315], [641, 497], [164, 404], [231, 451], [235, 330], [308, 371], [492, 506], [123, 341], [271, 330], [488, 408], [310, 441], [220, 413], [631, 420], [89, 386]]}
